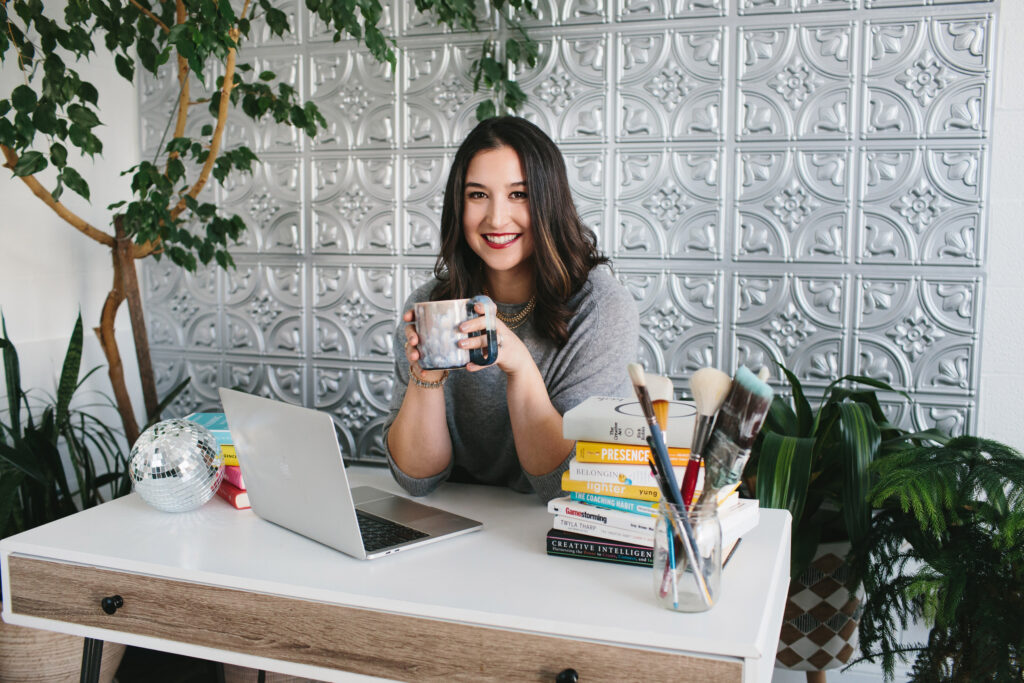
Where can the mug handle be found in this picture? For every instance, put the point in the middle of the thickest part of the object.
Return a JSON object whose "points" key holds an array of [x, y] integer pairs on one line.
{"points": [[477, 355]]}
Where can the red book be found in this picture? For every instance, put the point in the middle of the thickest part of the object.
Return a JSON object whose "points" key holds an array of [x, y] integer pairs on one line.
{"points": [[233, 495], [233, 474]]}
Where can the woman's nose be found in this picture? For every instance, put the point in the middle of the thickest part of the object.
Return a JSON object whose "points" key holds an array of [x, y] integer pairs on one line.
{"points": [[498, 213]]}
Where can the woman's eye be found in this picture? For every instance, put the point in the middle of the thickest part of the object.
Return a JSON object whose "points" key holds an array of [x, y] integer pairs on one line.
{"points": [[519, 195], [475, 194]]}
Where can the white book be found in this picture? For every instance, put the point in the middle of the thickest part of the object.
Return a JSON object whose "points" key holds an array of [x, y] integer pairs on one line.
{"points": [[598, 530], [619, 420], [567, 507]]}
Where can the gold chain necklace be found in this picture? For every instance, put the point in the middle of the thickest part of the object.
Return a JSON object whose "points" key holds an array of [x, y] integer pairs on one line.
{"points": [[514, 321]]}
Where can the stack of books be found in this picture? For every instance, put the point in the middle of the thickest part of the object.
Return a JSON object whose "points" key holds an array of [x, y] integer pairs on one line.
{"points": [[611, 511], [232, 486]]}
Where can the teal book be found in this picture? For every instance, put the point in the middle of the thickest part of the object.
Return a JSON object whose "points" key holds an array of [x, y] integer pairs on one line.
{"points": [[217, 423], [639, 507]]}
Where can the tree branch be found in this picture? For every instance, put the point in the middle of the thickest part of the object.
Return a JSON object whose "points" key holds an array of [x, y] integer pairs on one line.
{"points": [[222, 116], [183, 72], [64, 212], [153, 17]]}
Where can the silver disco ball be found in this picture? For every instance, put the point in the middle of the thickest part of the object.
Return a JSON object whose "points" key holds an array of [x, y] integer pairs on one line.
{"points": [[176, 465]]}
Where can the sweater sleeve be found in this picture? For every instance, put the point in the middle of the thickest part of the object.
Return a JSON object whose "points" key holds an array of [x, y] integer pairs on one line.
{"points": [[604, 337]]}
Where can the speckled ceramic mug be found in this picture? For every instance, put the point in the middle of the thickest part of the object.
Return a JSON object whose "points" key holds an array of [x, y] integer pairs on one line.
{"points": [[437, 326]]}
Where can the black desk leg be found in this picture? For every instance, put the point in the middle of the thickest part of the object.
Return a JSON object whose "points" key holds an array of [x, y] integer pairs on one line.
{"points": [[92, 653]]}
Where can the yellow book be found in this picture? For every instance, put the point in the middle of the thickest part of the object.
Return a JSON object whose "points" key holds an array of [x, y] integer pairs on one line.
{"points": [[609, 488], [229, 455], [625, 454]]}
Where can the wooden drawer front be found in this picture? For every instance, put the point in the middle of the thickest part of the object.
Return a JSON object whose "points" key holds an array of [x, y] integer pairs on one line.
{"points": [[331, 636]]}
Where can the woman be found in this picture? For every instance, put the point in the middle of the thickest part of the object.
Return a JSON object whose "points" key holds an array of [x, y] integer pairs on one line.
{"points": [[566, 327]]}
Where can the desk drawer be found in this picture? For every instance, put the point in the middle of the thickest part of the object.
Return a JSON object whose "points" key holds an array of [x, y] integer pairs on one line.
{"points": [[332, 636]]}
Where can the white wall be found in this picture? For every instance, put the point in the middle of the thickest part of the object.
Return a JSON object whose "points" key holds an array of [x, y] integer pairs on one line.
{"points": [[48, 270], [1002, 373]]}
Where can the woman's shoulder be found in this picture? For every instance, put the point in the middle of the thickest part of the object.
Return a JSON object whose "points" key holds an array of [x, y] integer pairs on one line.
{"points": [[604, 289]]}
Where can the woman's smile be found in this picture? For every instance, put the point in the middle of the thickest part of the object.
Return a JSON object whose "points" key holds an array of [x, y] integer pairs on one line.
{"points": [[501, 240]]}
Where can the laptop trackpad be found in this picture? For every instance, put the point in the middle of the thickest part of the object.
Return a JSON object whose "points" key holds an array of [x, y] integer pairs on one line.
{"points": [[416, 515]]}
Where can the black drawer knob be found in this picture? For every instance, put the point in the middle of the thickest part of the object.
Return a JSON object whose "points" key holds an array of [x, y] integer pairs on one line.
{"points": [[111, 603], [567, 676]]}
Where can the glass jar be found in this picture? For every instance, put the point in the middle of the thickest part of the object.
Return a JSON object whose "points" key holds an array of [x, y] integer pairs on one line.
{"points": [[687, 557]]}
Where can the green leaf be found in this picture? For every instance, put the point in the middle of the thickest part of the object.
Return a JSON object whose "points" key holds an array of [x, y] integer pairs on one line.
{"points": [[45, 117], [88, 93], [12, 377], [859, 437], [75, 182], [58, 155], [804, 417], [493, 70], [82, 116], [125, 67], [23, 461], [30, 163], [23, 98], [784, 472], [267, 75], [485, 110], [69, 372]]}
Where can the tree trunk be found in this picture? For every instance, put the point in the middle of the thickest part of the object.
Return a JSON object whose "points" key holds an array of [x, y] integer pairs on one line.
{"points": [[126, 287], [138, 320]]}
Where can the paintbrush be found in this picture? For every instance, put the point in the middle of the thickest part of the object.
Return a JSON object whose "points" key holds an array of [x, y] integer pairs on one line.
{"points": [[738, 423], [667, 481], [709, 387], [660, 390]]}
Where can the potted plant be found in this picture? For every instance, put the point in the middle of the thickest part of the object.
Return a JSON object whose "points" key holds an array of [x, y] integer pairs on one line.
{"points": [[55, 459], [946, 548], [814, 461]]}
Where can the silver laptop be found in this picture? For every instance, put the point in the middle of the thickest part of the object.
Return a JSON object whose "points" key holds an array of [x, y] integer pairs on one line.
{"points": [[295, 478]]}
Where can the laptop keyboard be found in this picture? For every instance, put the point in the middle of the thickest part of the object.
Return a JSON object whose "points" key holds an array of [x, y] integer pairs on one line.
{"points": [[380, 533]]}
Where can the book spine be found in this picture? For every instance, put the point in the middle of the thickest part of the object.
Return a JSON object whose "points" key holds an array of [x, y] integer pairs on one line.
{"points": [[629, 505], [233, 474], [622, 520], [637, 475], [598, 530], [233, 495], [648, 493], [216, 423], [568, 544], [230, 459], [600, 452]]}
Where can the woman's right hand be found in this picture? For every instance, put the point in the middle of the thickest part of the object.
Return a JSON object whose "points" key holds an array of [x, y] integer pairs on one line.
{"points": [[412, 353]]}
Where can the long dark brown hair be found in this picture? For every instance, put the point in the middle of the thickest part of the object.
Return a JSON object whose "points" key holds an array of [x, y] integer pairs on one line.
{"points": [[565, 249]]}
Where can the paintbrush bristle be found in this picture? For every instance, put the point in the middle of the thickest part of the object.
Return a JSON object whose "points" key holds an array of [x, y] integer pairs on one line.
{"points": [[660, 389], [745, 408], [636, 374], [764, 373], [709, 387]]}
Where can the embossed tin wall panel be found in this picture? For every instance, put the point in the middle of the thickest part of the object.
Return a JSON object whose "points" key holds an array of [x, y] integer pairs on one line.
{"points": [[793, 181]]}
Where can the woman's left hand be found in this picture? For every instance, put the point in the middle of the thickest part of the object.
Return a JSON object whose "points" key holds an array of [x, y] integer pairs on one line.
{"points": [[512, 353]]}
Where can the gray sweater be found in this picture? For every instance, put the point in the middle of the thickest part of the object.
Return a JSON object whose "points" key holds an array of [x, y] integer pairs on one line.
{"points": [[603, 338]]}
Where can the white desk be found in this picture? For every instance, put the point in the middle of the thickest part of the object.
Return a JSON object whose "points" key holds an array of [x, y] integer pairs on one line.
{"points": [[222, 584]]}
